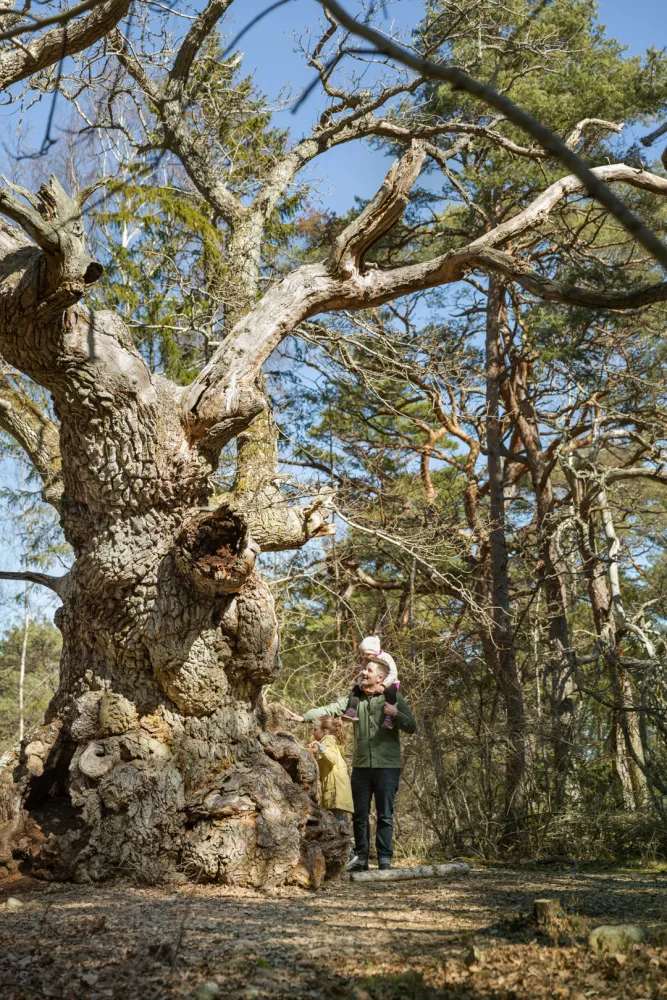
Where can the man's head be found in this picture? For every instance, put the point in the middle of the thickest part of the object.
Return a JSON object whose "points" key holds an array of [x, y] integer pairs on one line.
{"points": [[374, 673]]}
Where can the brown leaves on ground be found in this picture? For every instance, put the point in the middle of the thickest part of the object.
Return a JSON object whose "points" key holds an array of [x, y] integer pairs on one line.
{"points": [[469, 939]]}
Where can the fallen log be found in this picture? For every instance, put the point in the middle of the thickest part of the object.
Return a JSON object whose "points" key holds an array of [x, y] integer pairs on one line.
{"points": [[421, 871]]}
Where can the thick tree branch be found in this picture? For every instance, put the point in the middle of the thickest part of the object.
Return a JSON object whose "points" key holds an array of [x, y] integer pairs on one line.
{"points": [[225, 386], [377, 218], [391, 130], [29, 217], [65, 40], [36, 433], [191, 45], [649, 139], [171, 113], [540, 208], [586, 123], [223, 391], [560, 291], [54, 583], [53, 220]]}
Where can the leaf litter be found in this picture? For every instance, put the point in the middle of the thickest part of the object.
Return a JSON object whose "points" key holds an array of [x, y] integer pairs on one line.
{"points": [[473, 938]]}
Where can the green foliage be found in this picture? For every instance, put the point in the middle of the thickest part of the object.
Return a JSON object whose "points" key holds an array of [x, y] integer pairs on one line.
{"points": [[41, 676], [166, 253]]}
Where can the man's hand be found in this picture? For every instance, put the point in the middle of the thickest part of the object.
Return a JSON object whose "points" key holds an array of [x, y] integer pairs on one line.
{"points": [[294, 717], [390, 709]]}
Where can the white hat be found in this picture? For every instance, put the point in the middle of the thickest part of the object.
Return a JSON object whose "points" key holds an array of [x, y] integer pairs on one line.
{"points": [[371, 644]]}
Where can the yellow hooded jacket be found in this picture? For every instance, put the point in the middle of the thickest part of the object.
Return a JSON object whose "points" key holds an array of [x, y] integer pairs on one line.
{"points": [[335, 781]]}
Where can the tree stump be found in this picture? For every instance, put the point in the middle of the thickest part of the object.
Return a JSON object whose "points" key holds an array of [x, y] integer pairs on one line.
{"points": [[546, 911]]}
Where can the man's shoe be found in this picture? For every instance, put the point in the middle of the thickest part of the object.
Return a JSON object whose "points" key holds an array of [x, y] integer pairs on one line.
{"points": [[350, 715], [388, 723], [357, 864], [384, 866]]}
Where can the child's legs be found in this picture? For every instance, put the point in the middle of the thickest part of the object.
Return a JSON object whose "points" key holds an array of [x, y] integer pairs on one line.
{"points": [[343, 818], [391, 694]]}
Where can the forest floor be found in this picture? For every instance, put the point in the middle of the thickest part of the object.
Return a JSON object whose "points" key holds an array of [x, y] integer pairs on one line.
{"points": [[349, 940]]}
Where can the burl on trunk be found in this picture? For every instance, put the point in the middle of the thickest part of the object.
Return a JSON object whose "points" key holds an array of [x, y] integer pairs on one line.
{"points": [[152, 759]]}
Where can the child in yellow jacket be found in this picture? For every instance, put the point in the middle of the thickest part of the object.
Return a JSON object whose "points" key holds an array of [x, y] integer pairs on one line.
{"points": [[328, 739]]}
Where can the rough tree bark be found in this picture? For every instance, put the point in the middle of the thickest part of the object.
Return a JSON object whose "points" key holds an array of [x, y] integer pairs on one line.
{"points": [[503, 659], [560, 662], [151, 757]]}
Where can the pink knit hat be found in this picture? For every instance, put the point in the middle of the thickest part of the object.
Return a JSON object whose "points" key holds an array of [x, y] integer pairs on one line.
{"points": [[371, 644]]}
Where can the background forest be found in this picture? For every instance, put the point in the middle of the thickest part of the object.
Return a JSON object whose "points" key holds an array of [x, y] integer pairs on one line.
{"points": [[495, 463]]}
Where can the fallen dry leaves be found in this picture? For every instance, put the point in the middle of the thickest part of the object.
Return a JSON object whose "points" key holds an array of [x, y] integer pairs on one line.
{"points": [[465, 940]]}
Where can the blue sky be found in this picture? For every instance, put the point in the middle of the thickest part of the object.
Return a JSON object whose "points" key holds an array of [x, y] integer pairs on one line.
{"points": [[639, 24], [269, 51], [271, 54]]}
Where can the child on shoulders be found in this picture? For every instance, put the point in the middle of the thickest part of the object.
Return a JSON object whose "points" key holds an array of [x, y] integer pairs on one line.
{"points": [[370, 649]]}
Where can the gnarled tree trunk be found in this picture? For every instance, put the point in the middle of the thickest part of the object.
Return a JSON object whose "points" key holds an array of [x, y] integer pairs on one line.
{"points": [[152, 758]]}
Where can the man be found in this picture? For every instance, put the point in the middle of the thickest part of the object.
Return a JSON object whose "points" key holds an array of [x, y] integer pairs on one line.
{"points": [[376, 762]]}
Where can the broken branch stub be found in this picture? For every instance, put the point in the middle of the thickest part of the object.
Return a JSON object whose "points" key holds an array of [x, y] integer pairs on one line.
{"points": [[53, 220], [546, 911], [381, 213]]}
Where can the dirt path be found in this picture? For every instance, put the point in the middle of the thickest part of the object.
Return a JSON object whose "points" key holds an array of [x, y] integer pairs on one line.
{"points": [[408, 940]]}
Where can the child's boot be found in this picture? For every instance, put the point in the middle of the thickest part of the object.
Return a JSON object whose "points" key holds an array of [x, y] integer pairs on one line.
{"points": [[350, 715], [388, 723]]}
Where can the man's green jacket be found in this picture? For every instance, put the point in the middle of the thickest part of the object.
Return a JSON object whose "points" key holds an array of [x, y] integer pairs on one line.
{"points": [[373, 745]]}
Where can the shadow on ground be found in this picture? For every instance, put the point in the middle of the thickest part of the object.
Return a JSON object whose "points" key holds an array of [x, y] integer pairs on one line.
{"points": [[423, 939]]}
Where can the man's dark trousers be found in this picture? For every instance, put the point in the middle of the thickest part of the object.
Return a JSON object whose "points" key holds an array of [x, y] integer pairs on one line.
{"points": [[380, 783]]}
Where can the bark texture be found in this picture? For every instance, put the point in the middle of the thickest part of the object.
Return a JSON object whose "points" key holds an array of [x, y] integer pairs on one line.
{"points": [[152, 759], [500, 648]]}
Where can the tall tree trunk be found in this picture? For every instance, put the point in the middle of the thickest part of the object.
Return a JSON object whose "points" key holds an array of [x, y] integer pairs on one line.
{"points": [[560, 665], [629, 781], [504, 659], [152, 757]]}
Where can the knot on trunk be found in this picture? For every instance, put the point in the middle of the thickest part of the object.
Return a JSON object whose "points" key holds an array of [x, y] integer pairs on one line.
{"points": [[95, 762], [215, 552]]}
